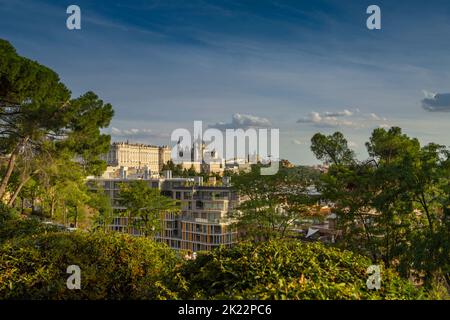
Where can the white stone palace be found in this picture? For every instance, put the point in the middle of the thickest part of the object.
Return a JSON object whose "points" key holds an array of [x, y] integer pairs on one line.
{"points": [[136, 155]]}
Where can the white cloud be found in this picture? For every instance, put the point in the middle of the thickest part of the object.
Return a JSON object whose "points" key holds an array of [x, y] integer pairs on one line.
{"points": [[345, 118], [429, 94], [243, 121], [376, 117], [338, 113], [329, 119], [299, 142], [136, 134], [129, 132]]}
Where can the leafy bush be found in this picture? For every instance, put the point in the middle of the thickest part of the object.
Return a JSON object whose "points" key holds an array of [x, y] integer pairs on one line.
{"points": [[287, 270], [113, 266], [14, 226], [34, 259]]}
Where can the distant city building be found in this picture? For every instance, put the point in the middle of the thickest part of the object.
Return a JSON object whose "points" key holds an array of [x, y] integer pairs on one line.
{"points": [[135, 155], [202, 224], [286, 164], [164, 156], [201, 159], [196, 165], [213, 168], [148, 160]]}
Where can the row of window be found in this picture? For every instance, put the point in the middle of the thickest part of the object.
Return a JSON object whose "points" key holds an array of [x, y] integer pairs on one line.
{"points": [[203, 228], [115, 185], [177, 244], [205, 195], [218, 205]]}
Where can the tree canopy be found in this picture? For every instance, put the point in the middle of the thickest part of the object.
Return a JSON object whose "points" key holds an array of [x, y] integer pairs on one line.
{"points": [[270, 204], [48, 139], [146, 206], [393, 206]]}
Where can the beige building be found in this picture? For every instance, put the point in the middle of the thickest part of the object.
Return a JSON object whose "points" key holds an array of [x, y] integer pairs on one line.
{"points": [[186, 165], [213, 167], [136, 155], [164, 156]]}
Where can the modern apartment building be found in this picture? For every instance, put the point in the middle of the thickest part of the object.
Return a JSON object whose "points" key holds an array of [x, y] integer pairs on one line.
{"points": [[135, 155], [202, 224]]}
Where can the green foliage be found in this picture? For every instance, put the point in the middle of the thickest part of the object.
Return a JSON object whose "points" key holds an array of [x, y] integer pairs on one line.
{"points": [[15, 226], [104, 211], [113, 266], [394, 205], [88, 114], [271, 203], [332, 149], [145, 206], [287, 270], [177, 169], [34, 259], [42, 127]]}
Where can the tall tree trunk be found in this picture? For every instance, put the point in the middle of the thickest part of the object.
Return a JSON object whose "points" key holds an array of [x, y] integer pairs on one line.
{"points": [[65, 215], [18, 189], [10, 168], [427, 212], [52, 208], [76, 217]]}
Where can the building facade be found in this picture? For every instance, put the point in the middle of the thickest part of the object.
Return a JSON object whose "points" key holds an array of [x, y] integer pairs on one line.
{"points": [[202, 224], [135, 155]]}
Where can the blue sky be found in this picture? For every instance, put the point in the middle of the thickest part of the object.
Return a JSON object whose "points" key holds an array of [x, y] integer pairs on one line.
{"points": [[303, 66]]}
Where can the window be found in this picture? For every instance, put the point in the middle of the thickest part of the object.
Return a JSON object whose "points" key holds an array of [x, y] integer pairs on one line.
{"points": [[199, 204]]}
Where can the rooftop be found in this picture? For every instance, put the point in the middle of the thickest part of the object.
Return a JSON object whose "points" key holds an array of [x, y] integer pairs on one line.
{"points": [[126, 143]]}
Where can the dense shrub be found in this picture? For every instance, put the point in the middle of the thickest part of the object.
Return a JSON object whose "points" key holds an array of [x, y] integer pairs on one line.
{"points": [[13, 225], [34, 259], [113, 266], [287, 270]]}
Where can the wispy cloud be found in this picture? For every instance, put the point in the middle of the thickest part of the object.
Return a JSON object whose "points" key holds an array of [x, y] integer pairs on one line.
{"points": [[164, 64], [299, 142], [345, 118], [329, 119], [243, 121], [142, 134], [376, 117], [338, 113]]}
